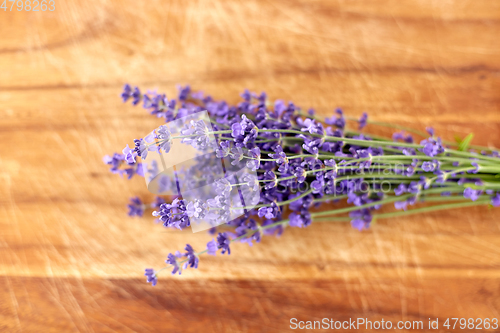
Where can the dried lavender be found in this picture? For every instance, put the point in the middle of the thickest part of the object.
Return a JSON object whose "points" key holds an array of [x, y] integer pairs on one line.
{"points": [[303, 163]]}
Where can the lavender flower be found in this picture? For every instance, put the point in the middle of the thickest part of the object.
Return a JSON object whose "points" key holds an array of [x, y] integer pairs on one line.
{"points": [[246, 95], [363, 120], [197, 134], [432, 147], [269, 212], [212, 247], [196, 209], [251, 183], [291, 152], [254, 163], [136, 207], [495, 201], [302, 219], [223, 186], [192, 258], [318, 185], [428, 166], [127, 92], [237, 155], [141, 148], [361, 219], [172, 260], [184, 93], [237, 130], [224, 149], [136, 96], [151, 276], [300, 173], [312, 127], [163, 134], [401, 204], [271, 180], [472, 194], [337, 121], [401, 189], [130, 154], [223, 243], [279, 155]]}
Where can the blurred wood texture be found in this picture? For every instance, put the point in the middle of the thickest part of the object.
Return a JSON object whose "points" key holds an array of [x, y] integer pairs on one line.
{"points": [[71, 260]]}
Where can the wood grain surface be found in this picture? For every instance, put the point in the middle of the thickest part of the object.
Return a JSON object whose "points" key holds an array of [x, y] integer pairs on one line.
{"points": [[71, 260]]}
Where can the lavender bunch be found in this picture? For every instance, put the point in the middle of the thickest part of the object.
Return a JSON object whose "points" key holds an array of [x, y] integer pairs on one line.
{"points": [[305, 166]]}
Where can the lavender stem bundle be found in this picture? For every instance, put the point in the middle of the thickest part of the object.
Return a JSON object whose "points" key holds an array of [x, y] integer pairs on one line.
{"points": [[303, 163]]}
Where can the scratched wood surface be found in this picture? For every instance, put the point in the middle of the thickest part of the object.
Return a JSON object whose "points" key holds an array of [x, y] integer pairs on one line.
{"points": [[72, 261]]}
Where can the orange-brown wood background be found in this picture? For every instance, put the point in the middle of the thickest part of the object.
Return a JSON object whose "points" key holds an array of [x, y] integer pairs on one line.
{"points": [[71, 260]]}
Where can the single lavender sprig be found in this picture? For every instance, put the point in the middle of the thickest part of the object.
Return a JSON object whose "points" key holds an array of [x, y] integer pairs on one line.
{"points": [[303, 163]]}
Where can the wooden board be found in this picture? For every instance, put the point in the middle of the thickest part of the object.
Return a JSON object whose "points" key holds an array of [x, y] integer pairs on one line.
{"points": [[71, 260]]}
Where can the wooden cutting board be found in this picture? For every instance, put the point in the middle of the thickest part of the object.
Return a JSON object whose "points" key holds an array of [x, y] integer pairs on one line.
{"points": [[71, 260]]}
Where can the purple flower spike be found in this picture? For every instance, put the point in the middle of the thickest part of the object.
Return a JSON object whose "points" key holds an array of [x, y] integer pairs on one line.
{"points": [[409, 139], [363, 120], [318, 185], [163, 134], [401, 189], [184, 93], [401, 205], [428, 166], [130, 154], [251, 183], [300, 220], [432, 147], [196, 209], [223, 150], [254, 163], [192, 258], [212, 247], [151, 276], [495, 201], [360, 224], [172, 260], [136, 96], [127, 93], [223, 187], [361, 219], [237, 155], [262, 97], [471, 193], [269, 212], [398, 136], [223, 242], [246, 95], [141, 148], [272, 180], [311, 126], [200, 132], [237, 130], [279, 155], [300, 173], [136, 207], [339, 121]]}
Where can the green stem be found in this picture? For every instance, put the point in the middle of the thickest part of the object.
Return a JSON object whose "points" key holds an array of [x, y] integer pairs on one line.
{"points": [[384, 201], [412, 211], [432, 208]]}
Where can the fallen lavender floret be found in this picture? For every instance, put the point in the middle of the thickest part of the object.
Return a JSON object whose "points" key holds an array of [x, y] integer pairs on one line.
{"points": [[303, 163]]}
